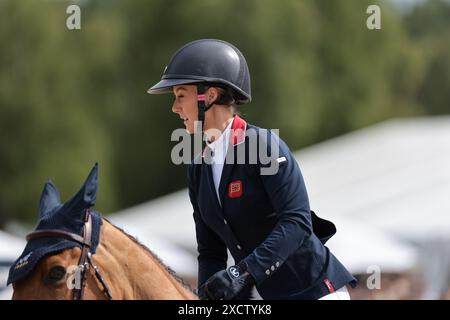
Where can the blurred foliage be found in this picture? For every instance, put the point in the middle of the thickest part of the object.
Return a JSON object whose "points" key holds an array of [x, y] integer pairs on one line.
{"points": [[429, 27], [71, 98]]}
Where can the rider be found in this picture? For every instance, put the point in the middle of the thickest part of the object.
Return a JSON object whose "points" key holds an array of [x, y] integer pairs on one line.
{"points": [[264, 220]]}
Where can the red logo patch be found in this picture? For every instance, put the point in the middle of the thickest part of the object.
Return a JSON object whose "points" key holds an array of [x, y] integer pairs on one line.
{"points": [[235, 189], [329, 285]]}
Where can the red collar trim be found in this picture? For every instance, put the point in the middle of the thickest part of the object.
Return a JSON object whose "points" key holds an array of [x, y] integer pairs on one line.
{"points": [[237, 136], [238, 131]]}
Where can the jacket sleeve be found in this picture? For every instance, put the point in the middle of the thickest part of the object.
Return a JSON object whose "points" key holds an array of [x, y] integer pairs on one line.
{"points": [[289, 199], [212, 251]]}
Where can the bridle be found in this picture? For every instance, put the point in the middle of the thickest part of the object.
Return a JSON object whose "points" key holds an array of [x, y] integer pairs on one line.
{"points": [[85, 257]]}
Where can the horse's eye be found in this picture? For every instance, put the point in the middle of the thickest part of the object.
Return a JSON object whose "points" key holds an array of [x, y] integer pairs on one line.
{"points": [[55, 274]]}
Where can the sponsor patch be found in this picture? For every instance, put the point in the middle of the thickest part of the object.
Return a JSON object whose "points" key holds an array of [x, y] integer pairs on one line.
{"points": [[235, 189]]}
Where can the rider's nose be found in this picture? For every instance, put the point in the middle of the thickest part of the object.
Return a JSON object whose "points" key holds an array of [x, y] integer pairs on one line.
{"points": [[175, 107]]}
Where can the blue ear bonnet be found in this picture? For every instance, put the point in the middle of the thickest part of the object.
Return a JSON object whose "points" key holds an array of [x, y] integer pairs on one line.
{"points": [[67, 217]]}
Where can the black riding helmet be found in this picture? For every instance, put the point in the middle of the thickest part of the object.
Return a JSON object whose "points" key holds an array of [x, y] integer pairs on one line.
{"points": [[207, 62]]}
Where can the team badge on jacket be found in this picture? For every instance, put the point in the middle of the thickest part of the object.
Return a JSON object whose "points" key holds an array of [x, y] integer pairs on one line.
{"points": [[235, 189]]}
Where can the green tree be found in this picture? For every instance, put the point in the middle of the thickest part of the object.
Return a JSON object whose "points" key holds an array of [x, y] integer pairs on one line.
{"points": [[55, 90], [429, 27]]}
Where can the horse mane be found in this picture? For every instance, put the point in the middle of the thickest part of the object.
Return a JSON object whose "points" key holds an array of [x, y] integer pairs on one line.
{"points": [[158, 259]]}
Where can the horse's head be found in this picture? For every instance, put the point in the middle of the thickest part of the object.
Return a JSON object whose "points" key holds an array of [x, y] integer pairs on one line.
{"points": [[59, 262], [48, 268]]}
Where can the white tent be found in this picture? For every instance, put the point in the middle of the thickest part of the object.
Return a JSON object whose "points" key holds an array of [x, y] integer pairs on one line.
{"points": [[10, 249], [394, 176], [5, 292], [168, 217], [361, 247], [175, 256]]}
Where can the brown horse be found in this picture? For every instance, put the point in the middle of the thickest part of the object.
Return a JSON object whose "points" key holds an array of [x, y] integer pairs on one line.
{"points": [[119, 264]]}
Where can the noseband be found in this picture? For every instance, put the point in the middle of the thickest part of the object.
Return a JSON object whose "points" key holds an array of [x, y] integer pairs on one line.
{"points": [[85, 257]]}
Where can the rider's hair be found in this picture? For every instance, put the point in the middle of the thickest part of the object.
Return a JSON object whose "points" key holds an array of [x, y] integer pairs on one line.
{"points": [[226, 95]]}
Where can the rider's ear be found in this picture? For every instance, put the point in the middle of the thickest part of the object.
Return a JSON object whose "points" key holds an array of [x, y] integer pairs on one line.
{"points": [[212, 94], [85, 198], [50, 198]]}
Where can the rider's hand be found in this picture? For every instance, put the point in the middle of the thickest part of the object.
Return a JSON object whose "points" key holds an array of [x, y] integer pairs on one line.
{"points": [[227, 284]]}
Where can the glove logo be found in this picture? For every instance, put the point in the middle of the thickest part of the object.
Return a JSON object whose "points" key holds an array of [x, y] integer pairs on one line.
{"points": [[234, 272]]}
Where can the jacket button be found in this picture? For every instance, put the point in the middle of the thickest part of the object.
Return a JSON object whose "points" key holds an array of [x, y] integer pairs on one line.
{"points": [[238, 247], [268, 272], [225, 221], [277, 264], [272, 268]]}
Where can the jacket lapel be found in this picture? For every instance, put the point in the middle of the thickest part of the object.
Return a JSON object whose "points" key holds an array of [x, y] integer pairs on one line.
{"points": [[207, 170], [227, 168], [237, 137]]}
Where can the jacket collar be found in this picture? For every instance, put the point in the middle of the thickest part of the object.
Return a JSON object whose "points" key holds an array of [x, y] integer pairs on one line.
{"points": [[222, 139], [238, 131], [237, 135]]}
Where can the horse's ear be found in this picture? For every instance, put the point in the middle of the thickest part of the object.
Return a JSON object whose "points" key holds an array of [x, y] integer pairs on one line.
{"points": [[85, 198], [90, 187], [50, 198]]}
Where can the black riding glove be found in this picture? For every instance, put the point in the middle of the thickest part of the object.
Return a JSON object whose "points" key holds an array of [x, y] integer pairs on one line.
{"points": [[227, 284]]}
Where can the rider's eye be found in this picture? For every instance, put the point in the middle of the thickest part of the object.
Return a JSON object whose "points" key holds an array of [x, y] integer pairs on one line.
{"points": [[55, 274]]}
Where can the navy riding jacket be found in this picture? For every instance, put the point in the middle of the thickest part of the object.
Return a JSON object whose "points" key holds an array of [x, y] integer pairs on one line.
{"points": [[263, 219]]}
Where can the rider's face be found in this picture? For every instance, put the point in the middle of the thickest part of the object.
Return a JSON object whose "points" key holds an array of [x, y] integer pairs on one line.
{"points": [[185, 105]]}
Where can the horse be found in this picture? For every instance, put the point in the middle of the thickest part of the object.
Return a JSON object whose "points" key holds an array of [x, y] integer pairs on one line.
{"points": [[74, 253]]}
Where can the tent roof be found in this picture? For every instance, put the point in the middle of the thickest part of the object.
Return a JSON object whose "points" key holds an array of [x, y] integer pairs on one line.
{"points": [[11, 247], [168, 217], [394, 176], [360, 246]]}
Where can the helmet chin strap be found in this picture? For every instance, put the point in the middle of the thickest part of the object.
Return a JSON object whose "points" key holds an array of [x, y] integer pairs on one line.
{"points": [[202, 108], [201, 113]]}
